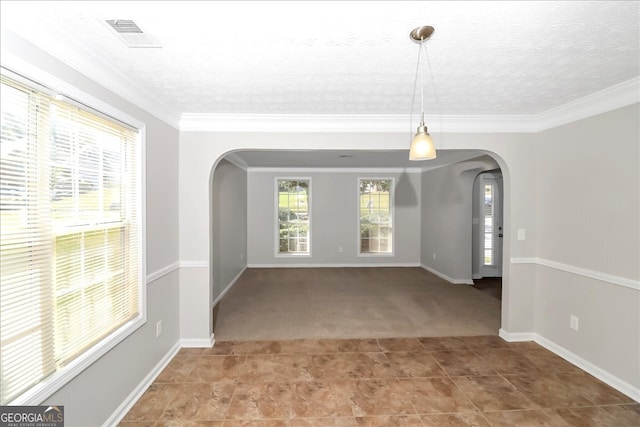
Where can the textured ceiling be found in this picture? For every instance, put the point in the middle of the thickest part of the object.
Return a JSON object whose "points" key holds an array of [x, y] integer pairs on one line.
{"points": [[347, 58]]}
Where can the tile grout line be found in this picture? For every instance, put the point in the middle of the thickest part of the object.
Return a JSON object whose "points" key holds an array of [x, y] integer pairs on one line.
{"points": [[481, 413], [169, 401], [398, 379], [394, 375], [226, 411]]}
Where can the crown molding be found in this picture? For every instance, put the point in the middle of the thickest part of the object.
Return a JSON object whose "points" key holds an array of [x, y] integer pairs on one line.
{"points": [[362, 170], [614, 97], [301, 123], [609, 99], [77, 56]]}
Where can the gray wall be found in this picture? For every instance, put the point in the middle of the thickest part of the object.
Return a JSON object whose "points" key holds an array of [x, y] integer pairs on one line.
{"points": [[446, 219], [93, 396], [201, 150], [334, 218], [588, 211], [228, 225], [583, 205]]}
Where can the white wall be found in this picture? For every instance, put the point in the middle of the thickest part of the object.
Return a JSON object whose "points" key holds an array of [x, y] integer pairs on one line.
{"points": [[334, 218], [93, 396], [588, 234]]}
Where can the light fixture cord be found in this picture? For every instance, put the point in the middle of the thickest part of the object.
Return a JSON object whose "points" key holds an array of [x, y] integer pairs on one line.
{"points": [[433, 85], [421, 86], [413, 98]]}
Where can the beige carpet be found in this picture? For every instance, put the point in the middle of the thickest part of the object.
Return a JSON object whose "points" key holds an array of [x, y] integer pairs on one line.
{"points": [[317, 303]]}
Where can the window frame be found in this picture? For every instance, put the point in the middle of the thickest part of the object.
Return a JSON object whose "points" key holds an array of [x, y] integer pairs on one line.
{"points": [[391, 211], [279, 254], [44, 82]]}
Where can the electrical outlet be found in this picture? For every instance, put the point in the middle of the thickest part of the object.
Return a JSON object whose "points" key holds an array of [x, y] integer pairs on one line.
{"points": [[521, 234], [158, 328], [574, 322], [434, 256]]}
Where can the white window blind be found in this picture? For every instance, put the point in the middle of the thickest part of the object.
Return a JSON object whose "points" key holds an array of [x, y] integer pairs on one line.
{"points": [[70, 250]]}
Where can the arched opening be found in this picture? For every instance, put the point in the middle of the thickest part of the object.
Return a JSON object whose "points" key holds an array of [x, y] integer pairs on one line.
{"points": [[229, 260]]}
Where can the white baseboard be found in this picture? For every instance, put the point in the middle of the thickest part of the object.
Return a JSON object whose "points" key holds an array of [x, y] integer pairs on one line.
{"points": [[137, 392], [447, 278], [233, 282], [197, 342], [516, 336], [604, 376], [363, 265], [622, 386]]}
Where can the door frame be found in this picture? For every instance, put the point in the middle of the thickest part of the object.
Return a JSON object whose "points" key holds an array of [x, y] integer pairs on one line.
{"points": [[479, 268]]}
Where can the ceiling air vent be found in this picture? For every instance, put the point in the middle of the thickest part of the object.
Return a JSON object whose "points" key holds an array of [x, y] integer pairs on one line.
{"points": [[132, 35]]}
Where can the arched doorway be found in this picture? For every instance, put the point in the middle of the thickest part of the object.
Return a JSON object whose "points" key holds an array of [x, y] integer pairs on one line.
{"points": [[488, 230], [464, 170]]}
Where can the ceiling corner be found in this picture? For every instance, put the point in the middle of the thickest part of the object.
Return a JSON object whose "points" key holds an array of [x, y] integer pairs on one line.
{"points": [[76, 55]]}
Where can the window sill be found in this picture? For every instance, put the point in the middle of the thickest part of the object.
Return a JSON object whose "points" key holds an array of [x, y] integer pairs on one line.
{"points": [[43, 390], [293, 255]]}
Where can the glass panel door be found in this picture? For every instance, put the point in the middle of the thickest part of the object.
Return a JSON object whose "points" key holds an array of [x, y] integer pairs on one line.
{"points": [[491, 225]]}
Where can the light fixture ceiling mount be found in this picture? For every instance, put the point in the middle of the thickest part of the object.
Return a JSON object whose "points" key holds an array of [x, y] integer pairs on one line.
{"points": [[421, 33], [422, 146]]}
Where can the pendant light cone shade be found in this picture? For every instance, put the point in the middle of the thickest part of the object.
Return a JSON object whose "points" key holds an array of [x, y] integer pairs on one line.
{"points": [[422, 147]]}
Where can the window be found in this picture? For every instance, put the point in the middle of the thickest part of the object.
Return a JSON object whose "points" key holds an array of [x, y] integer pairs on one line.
{"points": [[70, 243], [376, 216], [294, 228], [488, 224]]}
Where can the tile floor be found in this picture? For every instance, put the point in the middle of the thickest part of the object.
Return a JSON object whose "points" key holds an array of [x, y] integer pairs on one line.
{"points": [[461, 381]]}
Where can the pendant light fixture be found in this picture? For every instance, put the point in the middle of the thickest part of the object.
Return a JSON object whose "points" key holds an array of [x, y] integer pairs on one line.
{"points": [[422, 147]]}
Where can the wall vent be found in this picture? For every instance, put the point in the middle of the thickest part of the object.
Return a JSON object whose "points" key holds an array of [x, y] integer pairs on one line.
{"points": [[124, 26], [131, 34]]}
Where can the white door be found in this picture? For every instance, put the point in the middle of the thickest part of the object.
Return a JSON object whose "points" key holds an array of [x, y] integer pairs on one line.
{"points": [[491, 232]]}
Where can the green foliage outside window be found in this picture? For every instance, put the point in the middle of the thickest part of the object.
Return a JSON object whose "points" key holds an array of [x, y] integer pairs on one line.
{"points": [[375, 216], [293, 216]]}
